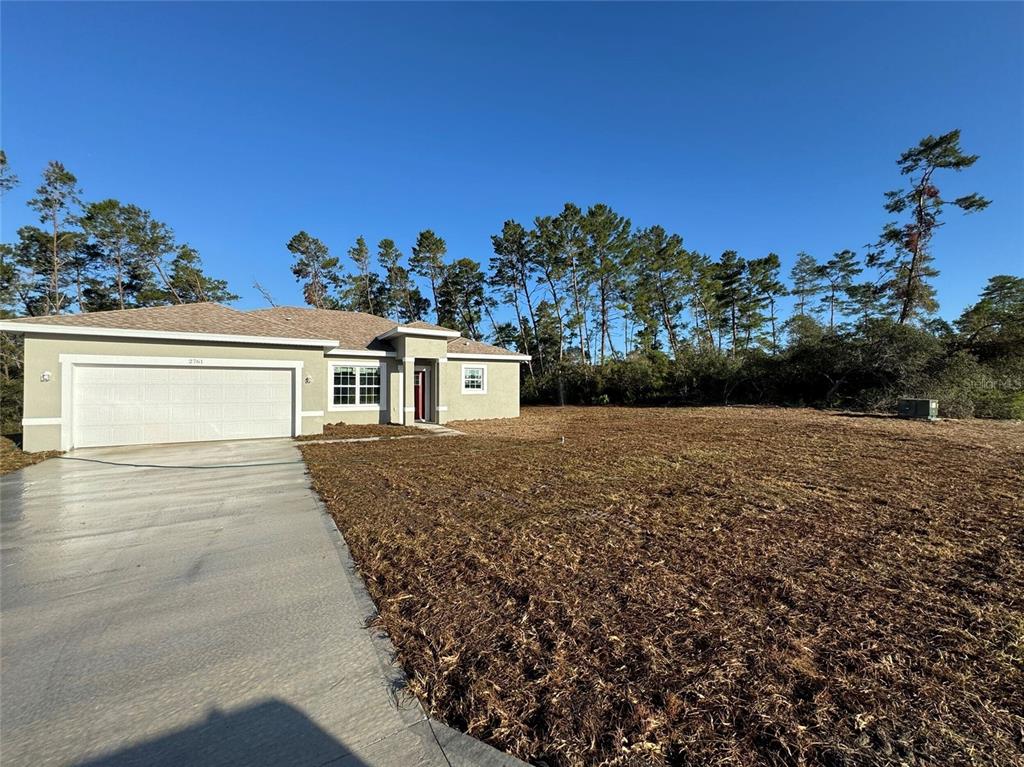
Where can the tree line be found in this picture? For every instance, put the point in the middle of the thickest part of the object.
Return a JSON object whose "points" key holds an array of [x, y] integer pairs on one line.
{"points": [[88, 256], [610, 312], [593, 299]]}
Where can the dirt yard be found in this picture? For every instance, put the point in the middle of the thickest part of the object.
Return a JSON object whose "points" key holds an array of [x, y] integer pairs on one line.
{"points": [[13, 458], [720, 586], [360, 431]]}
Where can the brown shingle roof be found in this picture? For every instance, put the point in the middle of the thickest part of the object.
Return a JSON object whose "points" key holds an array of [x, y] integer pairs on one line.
{"points": [[354, 330], [358, 330], [424, 325], [208, 318], [351, 330], [469, 346]]}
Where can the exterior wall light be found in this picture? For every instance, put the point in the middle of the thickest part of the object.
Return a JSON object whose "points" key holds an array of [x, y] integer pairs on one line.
{"points": [[45, 376], [308, 379]]}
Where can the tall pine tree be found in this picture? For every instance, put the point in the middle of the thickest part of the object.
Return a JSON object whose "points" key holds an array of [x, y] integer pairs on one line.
{"points": [[55, 201], [903, 252], [427, 260], [316, 269], [837, 277], [606, 244]]}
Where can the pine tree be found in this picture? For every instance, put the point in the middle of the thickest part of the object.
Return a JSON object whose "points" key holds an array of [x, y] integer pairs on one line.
{"points": [[549, 255], [733, 294], [807, 284], [903, 252], [56, 199], [508, 336], [461, 297], [763, 274], [128, 245], [703, 290], [26, 279], [389, 257], [89, 280], [315, 265], [607, 242], [9, 281], [994, 326], [511, 267], [659, 271], [358, 294], [864, 300], [366, 284], [427, 260], [548, 329], [7, 178], [837, 277], [191, 284], [402, 298], [569, 225]]}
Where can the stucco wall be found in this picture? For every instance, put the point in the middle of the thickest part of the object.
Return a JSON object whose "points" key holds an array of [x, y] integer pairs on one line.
{"points": [[500, 401], [424, 348], [395, 394]]}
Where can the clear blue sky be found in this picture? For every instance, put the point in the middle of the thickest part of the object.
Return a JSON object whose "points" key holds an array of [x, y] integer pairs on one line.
{"points": [[754, 127]]}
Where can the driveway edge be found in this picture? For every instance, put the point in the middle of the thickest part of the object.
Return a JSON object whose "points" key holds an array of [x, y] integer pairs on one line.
{"points": [[457, 748]]}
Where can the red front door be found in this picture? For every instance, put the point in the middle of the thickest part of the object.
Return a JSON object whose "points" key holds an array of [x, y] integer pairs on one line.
{"points": [[418, 395]]}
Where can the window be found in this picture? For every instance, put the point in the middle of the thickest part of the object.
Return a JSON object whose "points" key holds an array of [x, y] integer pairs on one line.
{"points": [[369, 386], [474, 379], [345, 386], [355, 385]]}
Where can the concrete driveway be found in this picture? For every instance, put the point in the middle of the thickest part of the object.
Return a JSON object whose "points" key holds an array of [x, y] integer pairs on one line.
{"points": [[183, 615]]}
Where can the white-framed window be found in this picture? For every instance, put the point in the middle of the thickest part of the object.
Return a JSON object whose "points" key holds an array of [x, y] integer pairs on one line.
{"points": [[474, 379], [356, 386]]}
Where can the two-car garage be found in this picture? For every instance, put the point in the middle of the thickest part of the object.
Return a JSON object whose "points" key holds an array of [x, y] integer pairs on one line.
{"points": [[143, 404], [167, 374]]}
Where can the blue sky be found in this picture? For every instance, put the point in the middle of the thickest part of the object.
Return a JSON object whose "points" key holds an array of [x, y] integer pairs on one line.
{"points": [[754, 127]]}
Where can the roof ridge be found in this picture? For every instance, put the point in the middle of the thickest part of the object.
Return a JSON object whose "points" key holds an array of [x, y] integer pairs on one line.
{"points": [[200, 317], [316, 309], [393, 324], [126, 309]]}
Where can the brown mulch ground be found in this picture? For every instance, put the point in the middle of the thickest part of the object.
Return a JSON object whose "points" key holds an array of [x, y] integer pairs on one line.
{"points": [[346, 431], [719, 586], [13, 458]]}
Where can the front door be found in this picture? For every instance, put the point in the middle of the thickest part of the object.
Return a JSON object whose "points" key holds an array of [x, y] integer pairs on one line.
{"points": [[419, 394]]}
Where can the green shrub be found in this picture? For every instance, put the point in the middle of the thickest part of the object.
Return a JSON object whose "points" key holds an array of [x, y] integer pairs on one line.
{"points": [[868, 367], [11, 392]]}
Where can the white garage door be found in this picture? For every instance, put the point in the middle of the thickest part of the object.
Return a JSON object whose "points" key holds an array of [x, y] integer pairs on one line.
{"points": [[133, 405]]}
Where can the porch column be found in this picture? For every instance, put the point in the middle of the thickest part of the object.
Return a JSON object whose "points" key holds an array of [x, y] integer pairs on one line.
{"points": [[408, 390], [442, 400]]}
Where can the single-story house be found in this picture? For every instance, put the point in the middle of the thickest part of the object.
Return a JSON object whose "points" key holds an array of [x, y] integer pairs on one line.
{"points": [[207, 372]]}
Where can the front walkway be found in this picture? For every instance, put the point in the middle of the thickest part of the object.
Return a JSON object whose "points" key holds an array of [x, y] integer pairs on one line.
{"points": [[437, 429], [157, 611]]}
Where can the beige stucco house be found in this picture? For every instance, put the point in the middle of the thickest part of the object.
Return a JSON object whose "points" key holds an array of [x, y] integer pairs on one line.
{"points": [[207, 372]]}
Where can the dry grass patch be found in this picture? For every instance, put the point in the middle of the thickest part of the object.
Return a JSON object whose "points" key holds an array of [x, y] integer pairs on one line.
{"points": [[13, 457], [702, 586], [347, 431]]}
